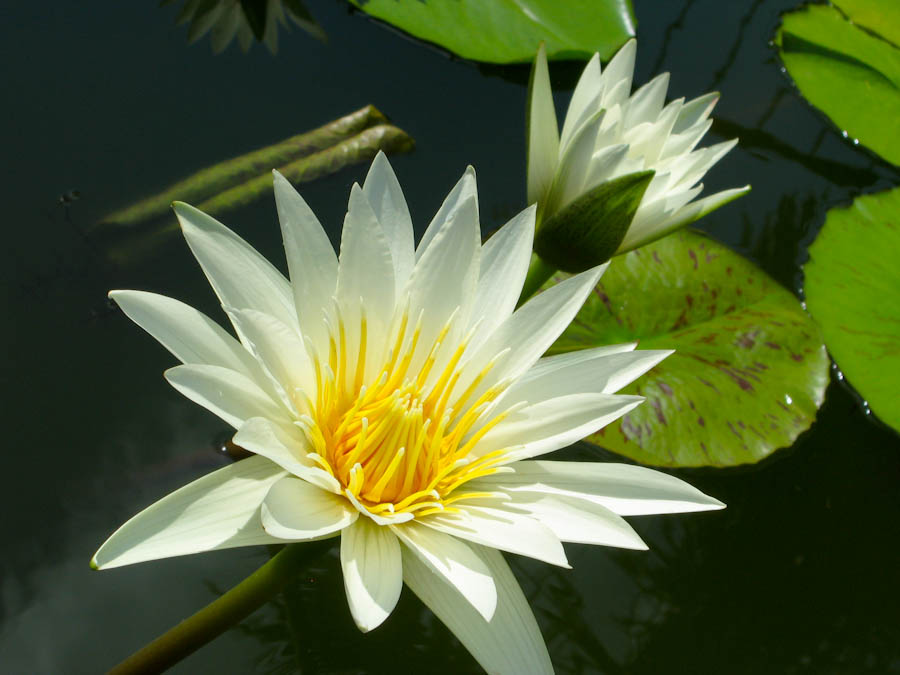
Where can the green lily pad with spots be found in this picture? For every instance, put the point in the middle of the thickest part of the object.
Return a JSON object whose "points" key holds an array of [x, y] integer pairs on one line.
{"points": [[853, 292], [749, 371]]}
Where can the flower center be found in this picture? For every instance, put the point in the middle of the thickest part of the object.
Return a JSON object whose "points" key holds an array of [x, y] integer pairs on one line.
{"points": [[402, 443]]}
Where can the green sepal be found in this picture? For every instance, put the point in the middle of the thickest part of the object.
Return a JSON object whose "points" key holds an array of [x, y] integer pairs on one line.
{"points": [[589, 230]]}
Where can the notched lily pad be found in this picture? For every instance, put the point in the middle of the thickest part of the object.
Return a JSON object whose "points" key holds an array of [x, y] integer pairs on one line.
{"points": [[749, 371], [853, 292]]}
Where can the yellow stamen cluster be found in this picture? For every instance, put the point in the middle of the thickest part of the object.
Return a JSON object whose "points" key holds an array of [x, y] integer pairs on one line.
{"points": [[396, 445]]}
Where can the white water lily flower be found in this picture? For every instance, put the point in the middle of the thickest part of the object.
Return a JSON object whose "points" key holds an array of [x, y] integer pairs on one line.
{"points": [[608, 133], [393, 397]]}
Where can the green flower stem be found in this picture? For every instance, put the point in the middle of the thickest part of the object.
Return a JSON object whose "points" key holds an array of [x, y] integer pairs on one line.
{"points": [[235, 605], [538, 273]]}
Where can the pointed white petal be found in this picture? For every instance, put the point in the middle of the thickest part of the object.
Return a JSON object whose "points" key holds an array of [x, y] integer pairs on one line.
{"points": [[373, 572], [685, 216], [504, 265], [585, 101], [298, 511], [622, 488], [282, 354], [575, 165], [618, 74], [445, 277], [219, 510], [529, 331], [646, 103], [191, 336], [513, 532], [288, 447], [239, 275], [454, 560], [366, 267], [386, 197], [542, 130], [230, 395], [311, 259], [464, 190], [695, 112], [577, 520], [510, 642], [554, 423], [582, 372]]}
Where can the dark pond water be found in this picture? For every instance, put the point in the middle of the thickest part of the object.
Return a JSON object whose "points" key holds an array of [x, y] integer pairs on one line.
{"points": [[801, 574]]}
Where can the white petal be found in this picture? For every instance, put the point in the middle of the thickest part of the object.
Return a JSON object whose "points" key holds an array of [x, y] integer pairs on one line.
{"points": [[504, 265], [695, 112], [575, 165], [685, 216], [513, 532], [386, 197], [311, 260], [191, 336], [464, 189], [510, 643], [287, 447], [542, 130], [576, 520], [529, 331], [445, 277], [366, 267], [373, 572], [585, 101], [219, 510], [454, 560], [298, 511], [239, 275], [618, 74], [230, 395], [554, 423], [281, 352], [582, 372], [622, 488], [646, 103]]}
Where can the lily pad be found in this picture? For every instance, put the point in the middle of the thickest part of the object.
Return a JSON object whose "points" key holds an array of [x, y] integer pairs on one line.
{"points": [[850, 73], [853, 292], [509, 31], [749, 371]]}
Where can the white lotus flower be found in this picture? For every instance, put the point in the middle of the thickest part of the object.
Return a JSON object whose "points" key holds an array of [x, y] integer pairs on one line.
{"points": [[392, 397], [608, 134]]}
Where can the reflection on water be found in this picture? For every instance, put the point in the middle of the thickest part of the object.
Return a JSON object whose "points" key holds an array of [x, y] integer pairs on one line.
{"points": [[799, 575]]}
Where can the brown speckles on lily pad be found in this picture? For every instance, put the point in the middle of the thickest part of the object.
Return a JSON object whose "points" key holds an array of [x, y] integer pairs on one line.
{"points": [[732, 393]]}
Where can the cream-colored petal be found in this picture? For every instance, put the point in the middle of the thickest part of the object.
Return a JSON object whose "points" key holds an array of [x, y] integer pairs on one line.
{"points": [[239, 275], [454, 560], [504, 265], [230, 395], [219, 510], [575, 520], [190, 335], [622, 488], [507, 531], [312, 262], [585, 101], [299, 511], [464, 190], [282, 354], [618, 74], [373, 572], [582, 372], [554, 423], [510, 643], [542, 130], [288, 447], [386, 197]]}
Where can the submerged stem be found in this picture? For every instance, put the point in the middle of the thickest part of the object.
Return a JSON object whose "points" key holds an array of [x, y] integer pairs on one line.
{"points": [[235, 605]]}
